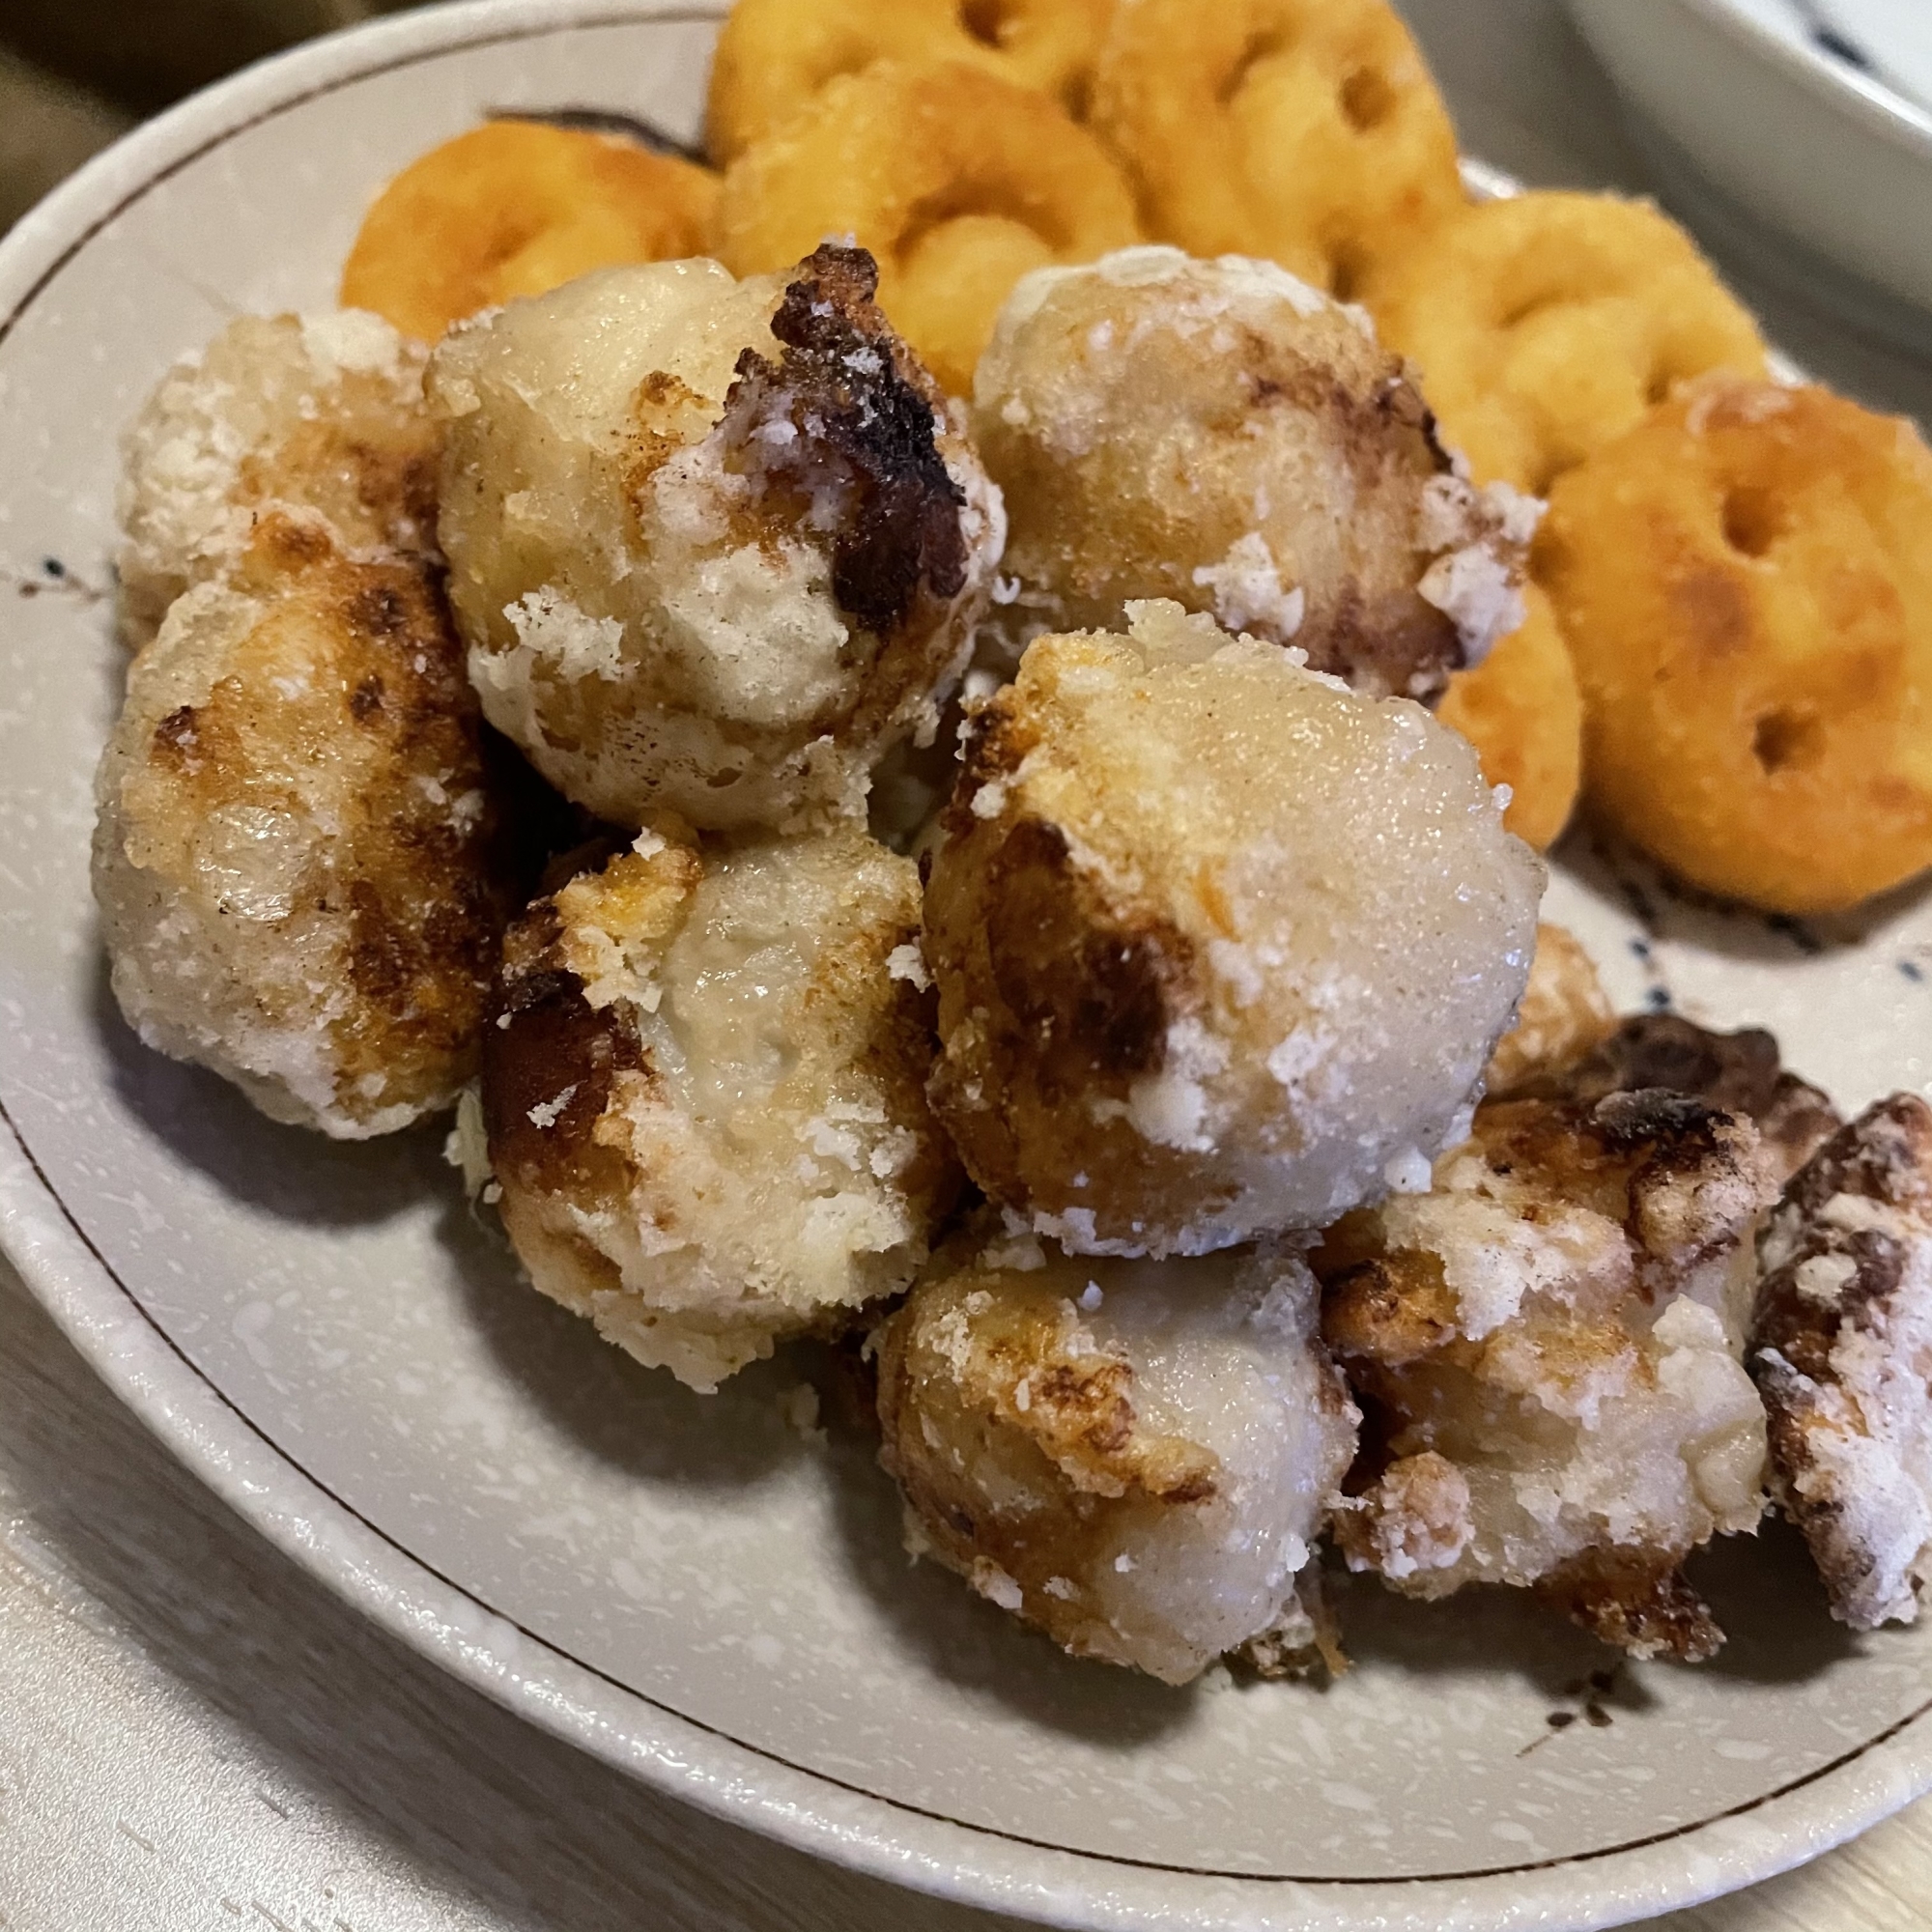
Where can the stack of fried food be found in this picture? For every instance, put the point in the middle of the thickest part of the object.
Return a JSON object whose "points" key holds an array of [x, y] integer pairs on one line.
{"points": [[985, 877]]}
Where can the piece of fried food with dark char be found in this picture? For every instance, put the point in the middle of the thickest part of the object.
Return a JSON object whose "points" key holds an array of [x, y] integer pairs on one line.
{"points": [[714, 545], [704, 1094], [297, 855], [1842, 1349], [1736, 1072], [1546, 1348]]}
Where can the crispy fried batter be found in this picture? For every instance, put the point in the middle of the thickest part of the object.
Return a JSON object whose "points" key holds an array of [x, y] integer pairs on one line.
{"points": [[714, 545], [1545, 325], [1547, 1348], [1736, 1072], [1564, 1013], [773, 56], [318, 419], [1306, 132], [1136, 1456], [295, 854], [704, 1097], [1221, 946], [1841, 1347], [1219, 433], [958, 182], [517, 209], [1744, 582]]}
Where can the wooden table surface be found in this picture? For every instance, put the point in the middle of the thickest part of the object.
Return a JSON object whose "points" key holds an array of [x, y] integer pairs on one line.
{"points": [[194, 1734]]}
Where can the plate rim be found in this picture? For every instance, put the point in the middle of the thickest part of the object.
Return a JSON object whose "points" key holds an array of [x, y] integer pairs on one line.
{"points": [[678, 1756]]}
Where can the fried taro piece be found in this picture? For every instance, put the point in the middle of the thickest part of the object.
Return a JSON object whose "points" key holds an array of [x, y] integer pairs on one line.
{"points": [[715, 546], [1545, 1349], [1136, 1456], [1222, 435], [300, 856], [1222, 946], [1842, 1350], [703, 1096]]}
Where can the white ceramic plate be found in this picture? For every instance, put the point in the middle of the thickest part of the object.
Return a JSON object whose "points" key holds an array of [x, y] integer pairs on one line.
{"points": [[1815, 171], [681, 1584]]}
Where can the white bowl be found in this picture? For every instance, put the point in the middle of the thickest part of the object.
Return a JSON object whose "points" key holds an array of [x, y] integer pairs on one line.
{"points": [[682, 1585], [1822, 174]]}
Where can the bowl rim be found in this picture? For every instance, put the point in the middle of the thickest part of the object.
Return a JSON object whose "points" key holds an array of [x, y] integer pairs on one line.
{"points": [[812, 1811], [1881, 108]]}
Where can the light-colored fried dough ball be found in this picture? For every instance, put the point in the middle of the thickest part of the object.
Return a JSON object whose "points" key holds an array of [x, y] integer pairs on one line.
{"points": [[1564, 1013], [1222, 946], [1547, 1347], [1545, 325], [1134, 1456], [517, 209], [318, 418], [1745, 582], [773, 56], [1523, 710], [294, 857], [1840, 1347], [958, 182], [1308, 131], [714, 545], [705, 1098], [1220, 434]]}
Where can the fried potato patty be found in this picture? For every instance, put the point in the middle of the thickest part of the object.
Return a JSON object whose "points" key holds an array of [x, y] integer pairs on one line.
{"points": [[517, 209], [1744, 582]]}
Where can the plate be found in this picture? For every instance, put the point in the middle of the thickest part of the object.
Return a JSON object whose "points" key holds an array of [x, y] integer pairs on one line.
{"points": [[688, 1586]]}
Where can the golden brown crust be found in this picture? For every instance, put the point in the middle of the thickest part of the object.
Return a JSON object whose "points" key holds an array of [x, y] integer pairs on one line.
{"points": [[1545, 324], [1523, 710], [300, 763], [1745, 586], [957, 181], [775, 55], [1309, 134], [516, 208]]}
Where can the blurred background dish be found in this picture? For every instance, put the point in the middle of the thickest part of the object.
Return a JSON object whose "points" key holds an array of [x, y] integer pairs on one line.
{"points": [[1783, 128]]}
